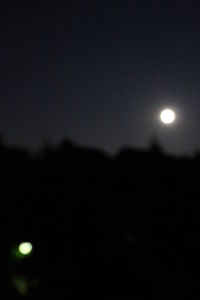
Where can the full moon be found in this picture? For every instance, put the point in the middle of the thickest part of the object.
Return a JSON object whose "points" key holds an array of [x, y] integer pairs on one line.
{"points": [[167, 116]]}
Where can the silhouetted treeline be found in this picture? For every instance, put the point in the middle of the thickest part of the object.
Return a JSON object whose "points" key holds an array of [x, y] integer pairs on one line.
{"points": [[125, 226]]}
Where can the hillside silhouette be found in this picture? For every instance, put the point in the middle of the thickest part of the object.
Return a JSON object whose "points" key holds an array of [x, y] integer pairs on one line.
{"points": [[124, 226]]}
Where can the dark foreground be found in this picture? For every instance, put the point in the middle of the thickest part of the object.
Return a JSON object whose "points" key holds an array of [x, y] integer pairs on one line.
{"points": [[121, 227]]}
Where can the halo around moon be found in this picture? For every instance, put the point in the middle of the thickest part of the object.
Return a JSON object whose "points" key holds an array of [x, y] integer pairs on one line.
{"points": [[167, 116]]}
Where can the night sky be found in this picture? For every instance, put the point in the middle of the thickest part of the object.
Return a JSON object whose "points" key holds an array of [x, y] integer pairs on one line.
{"points": [[99, 72]]}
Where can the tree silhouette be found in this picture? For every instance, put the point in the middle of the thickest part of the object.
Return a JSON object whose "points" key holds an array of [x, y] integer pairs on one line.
{"points": [[155, 146]]}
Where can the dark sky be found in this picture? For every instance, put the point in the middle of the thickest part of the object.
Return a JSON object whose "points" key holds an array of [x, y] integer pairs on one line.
{"points": [[100, 71]]}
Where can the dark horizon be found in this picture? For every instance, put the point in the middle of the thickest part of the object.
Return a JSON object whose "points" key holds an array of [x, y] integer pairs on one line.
{"points": [[123, 227], [48, 145]]}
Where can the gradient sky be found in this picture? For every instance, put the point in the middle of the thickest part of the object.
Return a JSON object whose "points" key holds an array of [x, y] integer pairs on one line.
{"points": [[100, 71]]}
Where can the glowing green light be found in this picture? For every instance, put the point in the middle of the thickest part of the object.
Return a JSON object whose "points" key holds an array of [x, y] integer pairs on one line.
{"points": [[25, 248]]}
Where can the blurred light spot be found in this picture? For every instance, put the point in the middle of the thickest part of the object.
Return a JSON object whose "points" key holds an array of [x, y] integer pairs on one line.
{"points": [[21, 285], [25, 248], [167, 116]]}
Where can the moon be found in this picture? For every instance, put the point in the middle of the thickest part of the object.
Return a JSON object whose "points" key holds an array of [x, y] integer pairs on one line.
{"points": [[167, 116]]}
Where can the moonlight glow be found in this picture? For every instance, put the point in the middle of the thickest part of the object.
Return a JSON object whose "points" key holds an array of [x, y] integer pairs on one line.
{"points": [[167, 116], [25, 248]]}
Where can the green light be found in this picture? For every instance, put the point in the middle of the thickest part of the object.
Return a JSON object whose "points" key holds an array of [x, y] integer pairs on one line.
{"points": [[25, 248]]}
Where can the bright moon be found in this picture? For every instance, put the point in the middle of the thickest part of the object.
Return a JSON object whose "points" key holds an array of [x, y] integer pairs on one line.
{"points": [[167, 116]]}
